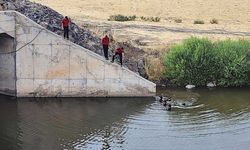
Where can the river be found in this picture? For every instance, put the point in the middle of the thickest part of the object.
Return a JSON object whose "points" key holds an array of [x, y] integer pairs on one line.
{"points": [[213, 119]]}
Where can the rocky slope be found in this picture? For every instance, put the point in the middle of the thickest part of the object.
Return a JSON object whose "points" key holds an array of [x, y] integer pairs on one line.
{"points": [[51, 20]]}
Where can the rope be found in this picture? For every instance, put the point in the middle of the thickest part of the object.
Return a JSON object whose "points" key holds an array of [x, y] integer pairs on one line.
{"points": [[23, 45]]}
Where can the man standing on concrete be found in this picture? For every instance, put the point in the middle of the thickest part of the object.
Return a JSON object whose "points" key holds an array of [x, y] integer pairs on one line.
{"points": [[105, 44], [65, 26], [118, 52]]}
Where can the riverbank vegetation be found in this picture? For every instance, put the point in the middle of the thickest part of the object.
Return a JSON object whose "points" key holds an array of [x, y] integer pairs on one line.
{"points": [[199, 61]]}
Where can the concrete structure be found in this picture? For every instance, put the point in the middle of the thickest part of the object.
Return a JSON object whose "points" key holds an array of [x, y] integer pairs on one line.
{"points": [[37, 62]]}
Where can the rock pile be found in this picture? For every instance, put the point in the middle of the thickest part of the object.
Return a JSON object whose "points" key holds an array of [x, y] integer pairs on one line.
{"points": [[51, 20]]}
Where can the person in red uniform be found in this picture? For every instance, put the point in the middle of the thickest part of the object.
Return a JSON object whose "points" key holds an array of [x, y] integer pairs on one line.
{"points": [[65, 26], [118, 52], [105, 44]]}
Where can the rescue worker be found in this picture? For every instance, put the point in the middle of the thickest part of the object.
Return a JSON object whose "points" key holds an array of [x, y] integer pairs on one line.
{"points": [[118, 52], [105, 44], [65, 26]]}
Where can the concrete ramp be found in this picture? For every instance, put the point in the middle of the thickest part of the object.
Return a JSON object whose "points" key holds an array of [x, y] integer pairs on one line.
{"points": [[40, 63]]}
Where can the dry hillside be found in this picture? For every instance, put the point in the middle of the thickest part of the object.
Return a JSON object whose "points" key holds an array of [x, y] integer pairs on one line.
{"points": [[233, 18], [225, 10]]}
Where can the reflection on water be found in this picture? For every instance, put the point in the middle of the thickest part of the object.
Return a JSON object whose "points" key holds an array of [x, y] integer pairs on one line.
{"points": [[217, 119]]}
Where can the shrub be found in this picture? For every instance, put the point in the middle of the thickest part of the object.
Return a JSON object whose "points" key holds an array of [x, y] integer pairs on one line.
{"points": [[143, 18], [234, 62], [192, 62], [156, 19], [121, 18], [199, 22], [248, 66], [199, 61], [151, 19], [214, 21], [178, 20]]}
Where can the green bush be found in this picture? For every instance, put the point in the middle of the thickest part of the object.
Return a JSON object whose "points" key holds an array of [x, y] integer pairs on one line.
{"points": [[199, 22], [121, 18], [248, 66], [199, 61], [234, 62], [192, 62]]}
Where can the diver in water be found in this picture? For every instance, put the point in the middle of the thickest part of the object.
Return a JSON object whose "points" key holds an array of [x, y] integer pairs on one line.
{"points": [[169, 107], [164, 103], [169, 99], [161, 99]]}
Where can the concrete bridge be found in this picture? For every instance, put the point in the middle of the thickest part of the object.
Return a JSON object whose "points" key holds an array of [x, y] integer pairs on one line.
{"points": [[40, 63]]}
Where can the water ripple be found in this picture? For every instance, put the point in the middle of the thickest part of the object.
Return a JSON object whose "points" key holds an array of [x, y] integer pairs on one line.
{"points": [[213, 120]]}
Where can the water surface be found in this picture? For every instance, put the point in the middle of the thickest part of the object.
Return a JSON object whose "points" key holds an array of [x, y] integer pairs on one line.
{"points": [[216, 119]]}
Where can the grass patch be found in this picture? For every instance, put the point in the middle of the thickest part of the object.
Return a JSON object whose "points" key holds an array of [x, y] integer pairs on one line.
{"points": [[151, 19], [214, 21], [199, 22], [121, 18], [199, 61]]}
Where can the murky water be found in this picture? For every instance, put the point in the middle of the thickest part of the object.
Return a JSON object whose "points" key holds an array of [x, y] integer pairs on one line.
{"points": [[213, 119]]}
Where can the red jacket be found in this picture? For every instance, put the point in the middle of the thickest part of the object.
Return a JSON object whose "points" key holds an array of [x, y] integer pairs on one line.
{"points": [[119, 50], [105, 41], [65, 22]]}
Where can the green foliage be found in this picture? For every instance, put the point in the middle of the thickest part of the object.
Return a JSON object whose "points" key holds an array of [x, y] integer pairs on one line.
{"points": [[151, 19], [121, 18], [192, 62], [248, 66], [234, 62], [199, 61], [199, 22]]}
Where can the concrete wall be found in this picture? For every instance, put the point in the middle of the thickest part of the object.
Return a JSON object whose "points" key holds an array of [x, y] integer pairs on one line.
{"points": [[7, 65], [7, 23], [47, 65]]}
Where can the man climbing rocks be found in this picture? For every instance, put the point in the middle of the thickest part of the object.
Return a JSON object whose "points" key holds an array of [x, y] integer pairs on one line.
{"points": [[65, 26], [105, 44], [118, 52]]}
